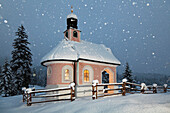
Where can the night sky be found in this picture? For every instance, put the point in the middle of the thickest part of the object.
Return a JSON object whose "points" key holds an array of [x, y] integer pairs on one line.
{"points": [[137, 31]]}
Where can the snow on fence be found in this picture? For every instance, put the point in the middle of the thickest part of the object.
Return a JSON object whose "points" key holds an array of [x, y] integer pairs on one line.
{"points": [[29, 94], [125, 87], [96, 92]]}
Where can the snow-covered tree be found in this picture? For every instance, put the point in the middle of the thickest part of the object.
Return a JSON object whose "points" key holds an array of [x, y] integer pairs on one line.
{"points": [[128, 73], [6, 79], [21, 60]]}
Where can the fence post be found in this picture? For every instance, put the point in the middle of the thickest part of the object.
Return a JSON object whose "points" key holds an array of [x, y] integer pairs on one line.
{"points": [[165, 88], [124, 89], [154, 88], [94, 84], [72, 86], [33, 90], [30, 100], [143, 88], [96, 90], [27, 99], [71, 94], [93, 96]]}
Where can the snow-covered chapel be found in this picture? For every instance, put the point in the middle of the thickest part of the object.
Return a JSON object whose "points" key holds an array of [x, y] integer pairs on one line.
{"points": [[79, 61]]}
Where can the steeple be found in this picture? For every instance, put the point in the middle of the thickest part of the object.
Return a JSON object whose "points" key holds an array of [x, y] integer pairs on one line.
{"points": [[72, 33], [72, 20]]}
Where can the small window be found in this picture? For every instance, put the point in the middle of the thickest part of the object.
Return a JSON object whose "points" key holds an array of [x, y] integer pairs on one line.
{"points": [[49, 71], [86, 75], [74, 34], [66, 75], [67, 34]]}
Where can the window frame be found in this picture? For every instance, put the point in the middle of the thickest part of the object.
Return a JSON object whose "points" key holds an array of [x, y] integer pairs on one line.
{"points": [[91, 74], [64, 68]]}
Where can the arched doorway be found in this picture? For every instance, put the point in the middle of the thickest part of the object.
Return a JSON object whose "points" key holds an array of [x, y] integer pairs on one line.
{"points": [[105, 79], [108, 77]]}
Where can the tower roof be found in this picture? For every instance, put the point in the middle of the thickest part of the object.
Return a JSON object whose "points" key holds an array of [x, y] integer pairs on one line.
{"points": [[72, 15]]}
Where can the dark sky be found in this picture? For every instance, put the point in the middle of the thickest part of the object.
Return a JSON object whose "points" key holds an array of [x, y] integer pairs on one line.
{"points": [[137, 31]]}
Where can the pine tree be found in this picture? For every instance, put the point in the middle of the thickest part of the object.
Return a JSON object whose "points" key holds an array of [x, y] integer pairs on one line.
{"points": [[6, 79], [21, 60], [128, 73]]}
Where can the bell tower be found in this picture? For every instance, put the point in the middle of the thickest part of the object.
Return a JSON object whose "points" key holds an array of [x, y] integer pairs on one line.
{"points": [[72, 33]]}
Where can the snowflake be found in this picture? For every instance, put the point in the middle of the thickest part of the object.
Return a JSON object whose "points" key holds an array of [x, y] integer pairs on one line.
{"points": [[5, 21], [153, 53], [147, 4], [84, 22], [42, 14], [105, 23], [85, 5], [134, 3]]}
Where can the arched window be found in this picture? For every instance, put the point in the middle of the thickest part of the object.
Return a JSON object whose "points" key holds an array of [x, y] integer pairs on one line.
{"points": [[49, 71], [75, 34], [86, 75], [66, 75]]}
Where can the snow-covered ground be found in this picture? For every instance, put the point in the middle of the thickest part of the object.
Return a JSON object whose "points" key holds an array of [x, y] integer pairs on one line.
{"points": [[132, 103]]}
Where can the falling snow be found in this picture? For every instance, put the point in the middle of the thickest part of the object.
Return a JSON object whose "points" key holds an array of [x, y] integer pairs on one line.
{"points": [[129, 27], [5, 21]]}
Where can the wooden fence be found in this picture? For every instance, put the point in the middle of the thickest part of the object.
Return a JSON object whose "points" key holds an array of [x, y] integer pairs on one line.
{"points": [[126, 87], [29, 94], [98, 90]]}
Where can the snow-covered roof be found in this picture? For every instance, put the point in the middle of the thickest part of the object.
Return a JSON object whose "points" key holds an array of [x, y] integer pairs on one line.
{"points": [[72, 15], [71, 50]]}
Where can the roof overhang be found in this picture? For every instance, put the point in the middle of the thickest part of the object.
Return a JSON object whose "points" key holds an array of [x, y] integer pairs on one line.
{"points": [[43, 63]]}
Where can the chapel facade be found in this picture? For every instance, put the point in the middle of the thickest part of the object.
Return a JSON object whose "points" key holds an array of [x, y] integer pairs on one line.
{"points": [[75, 60]]}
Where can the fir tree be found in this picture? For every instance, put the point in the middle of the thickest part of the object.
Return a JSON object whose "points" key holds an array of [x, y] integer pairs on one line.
{"points": [[6, 79], [128, 73], [21, 60]]}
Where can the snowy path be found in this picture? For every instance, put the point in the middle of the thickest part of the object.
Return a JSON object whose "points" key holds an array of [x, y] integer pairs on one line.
{"points": [[136, 103]]}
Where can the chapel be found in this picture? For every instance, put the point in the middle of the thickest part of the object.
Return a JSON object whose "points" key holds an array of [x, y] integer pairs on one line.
{"points": [[79, 61]]}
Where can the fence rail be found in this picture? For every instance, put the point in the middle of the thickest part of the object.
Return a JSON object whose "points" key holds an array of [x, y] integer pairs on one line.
{"points": [[98, 90], [126, 87], [29, 94]]}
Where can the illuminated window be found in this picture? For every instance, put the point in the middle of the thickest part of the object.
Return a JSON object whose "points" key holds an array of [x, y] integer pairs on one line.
{"points": [[66, 75], [74, 34], [86, 75], [49, 71]]}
